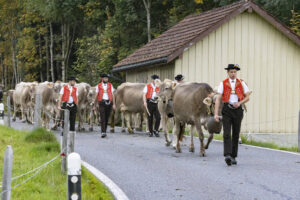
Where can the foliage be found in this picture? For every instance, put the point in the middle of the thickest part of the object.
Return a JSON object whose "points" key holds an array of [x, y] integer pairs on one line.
{"points": [[103, 32]]}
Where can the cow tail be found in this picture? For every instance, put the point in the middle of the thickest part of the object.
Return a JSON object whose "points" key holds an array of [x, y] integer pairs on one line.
{"points": [[181, 131]]}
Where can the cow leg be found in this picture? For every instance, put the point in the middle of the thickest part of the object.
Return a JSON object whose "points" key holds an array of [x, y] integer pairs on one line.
{"points": [[177, 132], [127, 116], [164, 121], [123, 121], [22, 114], [91, 120], [201, 137], [15, 112], [192, 147], [209, 139]]}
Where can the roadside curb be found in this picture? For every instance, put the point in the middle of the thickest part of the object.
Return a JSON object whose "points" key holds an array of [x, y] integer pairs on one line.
{"points": [[113, 188]]}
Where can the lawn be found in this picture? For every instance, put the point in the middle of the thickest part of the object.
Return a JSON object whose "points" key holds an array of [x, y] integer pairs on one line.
{"points": [[32, 149]]}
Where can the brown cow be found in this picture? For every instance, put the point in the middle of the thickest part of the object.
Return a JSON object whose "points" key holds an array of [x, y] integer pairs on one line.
{"points": [[129, 100], [83, 106], [193, 104]]}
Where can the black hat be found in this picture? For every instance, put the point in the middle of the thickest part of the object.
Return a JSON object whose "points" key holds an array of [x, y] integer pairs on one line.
{"points": [[154, 76], [104, 75], [72, 78], [179, 77], [233, 66]]}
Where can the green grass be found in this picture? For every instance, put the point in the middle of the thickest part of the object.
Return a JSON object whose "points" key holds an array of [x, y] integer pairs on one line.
{"points": [[30, 150]]}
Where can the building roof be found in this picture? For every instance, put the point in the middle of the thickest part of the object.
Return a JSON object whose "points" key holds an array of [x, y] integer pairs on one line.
{"points": [[170, 44]]}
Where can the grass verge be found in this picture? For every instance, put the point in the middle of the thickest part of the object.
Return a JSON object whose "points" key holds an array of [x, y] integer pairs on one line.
{"points": [[32, 149]]}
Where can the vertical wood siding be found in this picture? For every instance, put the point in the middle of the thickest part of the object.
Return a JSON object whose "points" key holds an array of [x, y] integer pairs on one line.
{"points": [[144, 75], [270, 65]]}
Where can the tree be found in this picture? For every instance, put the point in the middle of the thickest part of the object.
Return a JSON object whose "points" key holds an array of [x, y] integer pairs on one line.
{"points": [[147, 4]]}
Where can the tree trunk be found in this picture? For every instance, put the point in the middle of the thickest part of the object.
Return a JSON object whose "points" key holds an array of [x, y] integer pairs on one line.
{"points": [[47, 57], [14, 60], [3, 69], [51, 54], [41, 59], [147, 4], [63, 47]]}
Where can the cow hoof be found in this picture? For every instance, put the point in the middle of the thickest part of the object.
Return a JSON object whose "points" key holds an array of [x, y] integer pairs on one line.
{"points": [[54, 128], [206, 147], [91, 129], [23, 121], [82, 129], [178, 150], [112, 130], [14, 120], [192, 149], [123, 130], [130, 131], [168, 143], [202, 154], [138, 129]]}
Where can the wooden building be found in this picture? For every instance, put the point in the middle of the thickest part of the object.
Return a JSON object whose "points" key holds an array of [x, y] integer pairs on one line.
{"points": [[201, 45]]}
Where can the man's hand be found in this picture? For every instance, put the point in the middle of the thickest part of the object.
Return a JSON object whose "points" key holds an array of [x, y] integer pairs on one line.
{"points": [[237, 104], [217, 118]]}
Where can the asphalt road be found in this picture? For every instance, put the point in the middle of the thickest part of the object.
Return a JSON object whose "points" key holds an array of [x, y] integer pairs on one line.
{"points": [[145, 169]]}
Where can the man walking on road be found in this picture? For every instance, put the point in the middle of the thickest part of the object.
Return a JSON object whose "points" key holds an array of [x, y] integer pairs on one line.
{"points": [[150, 102], [68, 99], [105, 99], [233, 92]]}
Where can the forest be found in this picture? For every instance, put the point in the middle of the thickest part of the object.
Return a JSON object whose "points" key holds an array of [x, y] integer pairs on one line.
{"points": [[49, 40]]}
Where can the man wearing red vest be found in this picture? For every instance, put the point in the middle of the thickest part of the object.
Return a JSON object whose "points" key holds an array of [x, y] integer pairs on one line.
{"points": [[150, 102], [105, 99], [68, 99], [233, 92]]}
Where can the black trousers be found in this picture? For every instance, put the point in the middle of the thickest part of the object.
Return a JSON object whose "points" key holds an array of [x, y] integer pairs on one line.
{"points": [[73, 110], [105, 110], [232, 119], [153, 110]]}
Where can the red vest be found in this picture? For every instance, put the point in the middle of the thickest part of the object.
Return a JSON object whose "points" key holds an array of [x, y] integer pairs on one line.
{"points": [[101, 91], [150, 91], [239, 91], [66, 95]]}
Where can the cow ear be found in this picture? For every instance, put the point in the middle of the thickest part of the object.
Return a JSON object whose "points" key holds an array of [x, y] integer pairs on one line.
{"points": [[174, 85], [207, 101]]}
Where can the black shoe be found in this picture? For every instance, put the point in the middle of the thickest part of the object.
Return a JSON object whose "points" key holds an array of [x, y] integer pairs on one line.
{"points": [[103, 135], [156, 133], [233, 161], [151, 134], [228, 160]]}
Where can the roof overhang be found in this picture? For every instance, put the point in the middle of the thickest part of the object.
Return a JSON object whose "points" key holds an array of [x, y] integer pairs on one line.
{"points": [[156, 61]]}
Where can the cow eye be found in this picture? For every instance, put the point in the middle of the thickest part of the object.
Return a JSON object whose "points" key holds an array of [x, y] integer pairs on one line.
{"points": [[166, 88]]}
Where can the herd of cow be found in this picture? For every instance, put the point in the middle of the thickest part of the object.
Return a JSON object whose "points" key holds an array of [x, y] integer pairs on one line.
{"points": [[186, 103]]}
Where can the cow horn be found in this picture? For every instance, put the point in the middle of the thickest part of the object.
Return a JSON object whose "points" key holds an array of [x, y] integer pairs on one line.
{"points": [[207, 101]]}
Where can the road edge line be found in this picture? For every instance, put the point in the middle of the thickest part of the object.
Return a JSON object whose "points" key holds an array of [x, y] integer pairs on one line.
{"points": [[265, 148], [113, 188]]}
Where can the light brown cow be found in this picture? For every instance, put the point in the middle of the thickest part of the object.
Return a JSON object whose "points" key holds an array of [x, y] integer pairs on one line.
{"points": [[49, 103], [193, 104], [58, 113], [24, 99], [83, 107], [129, 100]]}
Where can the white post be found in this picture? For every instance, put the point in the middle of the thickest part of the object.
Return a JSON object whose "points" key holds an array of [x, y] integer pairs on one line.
{"points": [[74, 177], [8, 110], [64, 150], [37, 111], [7, 171]]}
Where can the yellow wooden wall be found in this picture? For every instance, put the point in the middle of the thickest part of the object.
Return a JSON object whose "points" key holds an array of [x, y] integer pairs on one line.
{"points": [[144, 75], [270, 64]]}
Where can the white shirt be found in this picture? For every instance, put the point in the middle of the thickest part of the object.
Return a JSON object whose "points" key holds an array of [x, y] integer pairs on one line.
{"points": [[70, 97], [105, 94], [233, 97], [146, 90]]}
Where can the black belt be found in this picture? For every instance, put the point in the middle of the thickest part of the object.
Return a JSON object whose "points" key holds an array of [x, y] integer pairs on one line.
{"points": [[231, 106], [106, 102], [151, 101]]}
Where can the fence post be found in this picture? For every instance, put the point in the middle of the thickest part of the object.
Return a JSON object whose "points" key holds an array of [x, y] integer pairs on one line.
{"points": [[71, 142], [299, 132], [7, 171], [74, 177], [64, 149], [37, 111], [8, 110]]}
